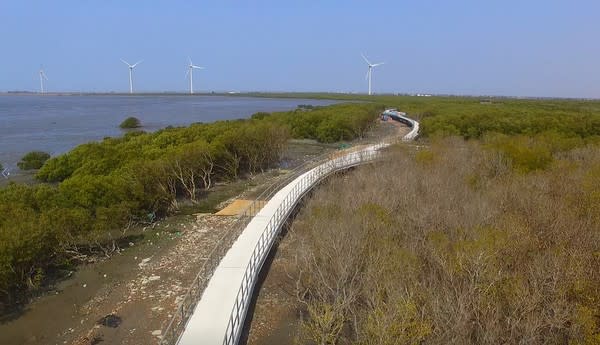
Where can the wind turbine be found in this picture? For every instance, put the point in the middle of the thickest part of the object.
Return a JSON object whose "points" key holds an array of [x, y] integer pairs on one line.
{"points": [[131, 67], [370, 71], [42, 77], [191, 73]]}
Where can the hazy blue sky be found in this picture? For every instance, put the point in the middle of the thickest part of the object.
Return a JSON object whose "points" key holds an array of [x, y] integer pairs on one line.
{"points": [[510, 47]]}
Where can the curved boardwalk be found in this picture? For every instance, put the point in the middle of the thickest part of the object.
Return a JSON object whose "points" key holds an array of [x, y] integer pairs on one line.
{"points": [[218, 317]]}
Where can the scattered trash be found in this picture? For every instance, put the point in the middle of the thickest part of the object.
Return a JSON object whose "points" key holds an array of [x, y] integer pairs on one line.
{"points": [[96, 340], [111, 320], [144, 262], [149, 286]]}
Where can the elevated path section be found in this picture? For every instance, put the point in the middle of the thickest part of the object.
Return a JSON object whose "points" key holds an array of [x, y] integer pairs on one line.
{"points": [[219, 315]]}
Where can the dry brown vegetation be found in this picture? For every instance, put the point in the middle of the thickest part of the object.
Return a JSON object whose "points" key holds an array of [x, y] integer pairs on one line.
{"points": [[453, 245]]}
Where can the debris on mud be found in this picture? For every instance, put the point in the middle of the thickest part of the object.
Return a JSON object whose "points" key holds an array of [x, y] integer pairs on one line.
{"points": [[111, 320]]}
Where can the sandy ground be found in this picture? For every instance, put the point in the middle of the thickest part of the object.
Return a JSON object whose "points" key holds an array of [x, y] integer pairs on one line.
{"points": [[147, 302], [240, 206], [127, 299]]}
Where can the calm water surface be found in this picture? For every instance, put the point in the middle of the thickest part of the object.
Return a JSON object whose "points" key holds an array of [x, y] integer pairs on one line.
{"points": [[56, 124]]}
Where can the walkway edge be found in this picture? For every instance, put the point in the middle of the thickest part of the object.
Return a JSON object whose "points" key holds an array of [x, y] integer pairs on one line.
{"points": [[218, 317]]}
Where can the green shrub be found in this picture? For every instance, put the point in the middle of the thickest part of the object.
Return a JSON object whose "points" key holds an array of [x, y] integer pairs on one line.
{"points": [[33, 160], [130, 122], [527, 154]]}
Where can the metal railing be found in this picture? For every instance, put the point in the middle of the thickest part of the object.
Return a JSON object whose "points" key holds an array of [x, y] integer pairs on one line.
{"points": [[194, 292], [267, 238], [317, 168], [186, 307], [399, 116]]}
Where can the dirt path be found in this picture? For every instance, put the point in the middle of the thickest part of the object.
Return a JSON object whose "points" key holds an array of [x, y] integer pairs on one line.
{"points": [[274, 318]]}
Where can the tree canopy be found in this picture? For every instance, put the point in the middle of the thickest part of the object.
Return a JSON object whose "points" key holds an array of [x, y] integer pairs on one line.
{"points": [[131, 122], [33, 160]]}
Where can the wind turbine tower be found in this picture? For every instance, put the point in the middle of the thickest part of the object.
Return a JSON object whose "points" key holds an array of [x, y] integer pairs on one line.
{"points": [[370, 71], [191, 74], [42, 77], [131, 67]]}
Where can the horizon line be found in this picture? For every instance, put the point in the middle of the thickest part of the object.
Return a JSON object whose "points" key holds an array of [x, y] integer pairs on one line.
{"points": [[281, 93]]}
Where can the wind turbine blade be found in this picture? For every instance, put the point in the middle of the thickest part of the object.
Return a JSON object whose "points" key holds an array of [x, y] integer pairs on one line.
{"points": [[125, 62], [367, 75], [44, 75], [364, 57], [198, 67], [137, 63], [187, 73], [190, 60], [378, 64]]}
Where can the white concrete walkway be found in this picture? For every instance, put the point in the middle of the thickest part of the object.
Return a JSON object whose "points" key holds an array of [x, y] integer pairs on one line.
{"points": [[219, 316]]}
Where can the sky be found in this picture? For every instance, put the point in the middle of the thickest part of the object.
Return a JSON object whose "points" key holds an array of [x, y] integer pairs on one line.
{"points": [[528, 48]]}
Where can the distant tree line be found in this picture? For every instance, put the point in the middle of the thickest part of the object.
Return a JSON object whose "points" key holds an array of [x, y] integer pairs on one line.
{"points": [[470, 118], [477, 124], [99, 187]]}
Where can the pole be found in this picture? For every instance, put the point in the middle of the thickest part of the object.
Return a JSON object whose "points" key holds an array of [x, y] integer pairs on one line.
{"points": [[370, 70], [191, 80], [130, 81]]}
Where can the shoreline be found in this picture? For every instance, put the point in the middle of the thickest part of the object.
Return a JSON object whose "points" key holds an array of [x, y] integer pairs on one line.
{"points": [[59, 123]]}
